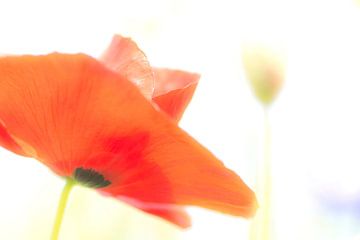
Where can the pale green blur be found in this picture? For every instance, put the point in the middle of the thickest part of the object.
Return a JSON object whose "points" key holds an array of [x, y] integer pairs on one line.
{"points": [[264, 68]]}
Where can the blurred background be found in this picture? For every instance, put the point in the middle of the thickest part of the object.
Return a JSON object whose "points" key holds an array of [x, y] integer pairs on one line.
{"points": [[315, 120]]}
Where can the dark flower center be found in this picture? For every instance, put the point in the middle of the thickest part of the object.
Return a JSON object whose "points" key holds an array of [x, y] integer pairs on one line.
{"points": [[90, 178]]}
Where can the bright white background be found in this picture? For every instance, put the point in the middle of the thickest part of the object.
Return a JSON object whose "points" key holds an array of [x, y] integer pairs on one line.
{"points": [[315, 120]]}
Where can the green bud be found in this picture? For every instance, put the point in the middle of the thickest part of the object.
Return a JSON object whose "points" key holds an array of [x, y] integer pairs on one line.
{"points": [[264, 69]]}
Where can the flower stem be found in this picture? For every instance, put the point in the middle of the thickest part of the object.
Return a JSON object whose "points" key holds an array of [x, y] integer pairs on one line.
{"points": [[61, 208], [261, 225]]}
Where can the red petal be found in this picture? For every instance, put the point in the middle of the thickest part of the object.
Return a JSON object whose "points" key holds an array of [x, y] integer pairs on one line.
{"points": [[9, 143], [124, 57], [174, 90], [174, 214], [74, 113], [178, 217], [60, 106], [175, 169]]}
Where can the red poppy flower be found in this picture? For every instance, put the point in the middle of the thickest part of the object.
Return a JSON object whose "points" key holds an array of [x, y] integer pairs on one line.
{"points": [[85, 120]]}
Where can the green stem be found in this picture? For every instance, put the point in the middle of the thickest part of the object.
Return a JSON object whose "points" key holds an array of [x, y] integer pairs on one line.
{"points": [[61, 208], [261, 226], [267, 179]]}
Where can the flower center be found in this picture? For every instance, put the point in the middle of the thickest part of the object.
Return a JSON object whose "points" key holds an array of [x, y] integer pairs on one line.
{"points": [[90, 178]]}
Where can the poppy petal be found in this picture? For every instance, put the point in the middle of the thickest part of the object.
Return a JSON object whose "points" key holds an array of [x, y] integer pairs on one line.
{"points": [[124, 57], [78, 116], [174, 214], [174, 90], [175, 169], [60, 106], [9, 143]]}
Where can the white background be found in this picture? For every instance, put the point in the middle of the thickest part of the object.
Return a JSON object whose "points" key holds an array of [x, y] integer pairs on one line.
{"points": [[315, 121]]}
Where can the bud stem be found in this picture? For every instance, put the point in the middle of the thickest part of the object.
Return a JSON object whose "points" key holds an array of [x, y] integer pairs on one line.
{"points": [[261, 225]]}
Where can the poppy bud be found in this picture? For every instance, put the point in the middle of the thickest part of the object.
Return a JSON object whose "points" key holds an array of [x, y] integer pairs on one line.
{"points": [[264, 68]]}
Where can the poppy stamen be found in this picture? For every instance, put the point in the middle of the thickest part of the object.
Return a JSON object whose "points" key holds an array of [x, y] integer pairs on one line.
{"points": [[90, 178]]}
